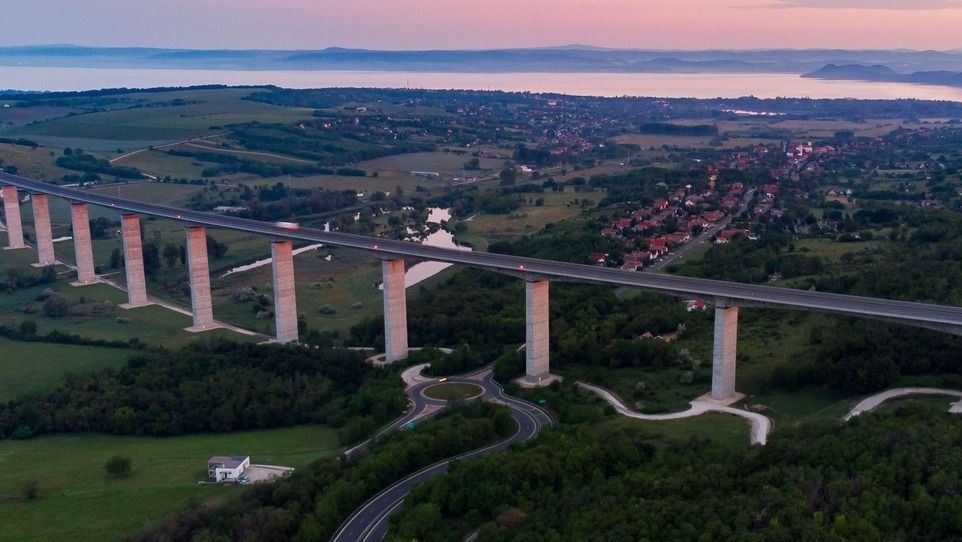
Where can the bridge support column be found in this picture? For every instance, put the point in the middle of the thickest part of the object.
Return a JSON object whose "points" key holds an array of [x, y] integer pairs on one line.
{"points": [[723, 354], [134, 262], [536, 350], [82, 247], [285, 299], [11, 208], [395, 311], [200, 300], [41, 226]]}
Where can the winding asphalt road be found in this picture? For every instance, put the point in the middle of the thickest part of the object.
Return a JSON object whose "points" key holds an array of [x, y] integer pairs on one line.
{"points": [[370, 521]]}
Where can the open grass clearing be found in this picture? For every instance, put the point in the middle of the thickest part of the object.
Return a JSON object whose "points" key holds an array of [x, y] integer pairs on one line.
{"points": [[530, 217], [29, 367], [730, 431], [79, 501], [38, 163], [95, 314], [204, 112], [445, 163], [453, 391]]}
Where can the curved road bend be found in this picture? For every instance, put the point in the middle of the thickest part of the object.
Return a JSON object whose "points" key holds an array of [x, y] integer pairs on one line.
{"points": [[946, 318], [370, 521]]}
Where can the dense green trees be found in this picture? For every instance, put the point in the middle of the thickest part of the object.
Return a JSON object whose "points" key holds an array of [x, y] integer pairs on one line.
{"points": [[589, 324], [883, 477], [216, 387], [91, 164], [859, 356]]}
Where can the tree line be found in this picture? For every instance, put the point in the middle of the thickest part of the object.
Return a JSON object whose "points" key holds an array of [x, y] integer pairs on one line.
{"points": [[214, 387]]}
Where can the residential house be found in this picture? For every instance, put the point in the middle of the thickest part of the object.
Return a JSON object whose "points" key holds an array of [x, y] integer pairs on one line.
{"points": [[227, 468]]}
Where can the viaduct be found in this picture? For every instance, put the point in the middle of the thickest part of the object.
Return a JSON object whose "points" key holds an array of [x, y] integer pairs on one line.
{"points": [[536, 273]]}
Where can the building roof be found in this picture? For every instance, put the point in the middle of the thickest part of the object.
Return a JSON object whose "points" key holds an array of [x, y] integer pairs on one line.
{"points": [[228, 462]]}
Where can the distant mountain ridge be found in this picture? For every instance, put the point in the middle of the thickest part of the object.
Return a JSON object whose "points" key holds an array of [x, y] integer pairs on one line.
{"points": [[570, 58], [884, 74]]}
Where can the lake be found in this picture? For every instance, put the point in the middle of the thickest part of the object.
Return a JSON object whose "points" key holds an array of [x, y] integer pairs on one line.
{"points": [[586, 84]]}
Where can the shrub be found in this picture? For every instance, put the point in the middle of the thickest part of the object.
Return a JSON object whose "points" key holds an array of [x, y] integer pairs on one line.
{"points": [[118, 466]]}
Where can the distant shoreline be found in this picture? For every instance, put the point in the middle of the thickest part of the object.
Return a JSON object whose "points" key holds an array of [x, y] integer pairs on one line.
{"points": [[597, 84]]}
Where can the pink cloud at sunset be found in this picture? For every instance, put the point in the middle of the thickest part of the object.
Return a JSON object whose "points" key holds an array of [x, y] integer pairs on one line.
{"points": [[452, 24]]}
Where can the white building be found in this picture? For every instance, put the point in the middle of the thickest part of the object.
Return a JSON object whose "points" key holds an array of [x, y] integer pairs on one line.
{"points": [[227, 468]]}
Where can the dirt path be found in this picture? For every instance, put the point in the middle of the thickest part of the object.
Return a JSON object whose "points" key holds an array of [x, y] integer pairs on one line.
{"points": [[761, 425], [252, 153], [164, 146], [874, 401]]}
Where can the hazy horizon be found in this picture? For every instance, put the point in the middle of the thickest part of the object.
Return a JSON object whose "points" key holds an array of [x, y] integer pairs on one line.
{"points": [[494, 24], [455, 49]]}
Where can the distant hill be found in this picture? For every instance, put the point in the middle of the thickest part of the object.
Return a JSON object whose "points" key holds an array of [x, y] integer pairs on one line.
{"points": [[571, 58], [879, 73]]}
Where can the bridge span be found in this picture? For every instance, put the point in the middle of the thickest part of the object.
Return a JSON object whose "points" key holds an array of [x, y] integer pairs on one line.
{"points": [[537, 274]]}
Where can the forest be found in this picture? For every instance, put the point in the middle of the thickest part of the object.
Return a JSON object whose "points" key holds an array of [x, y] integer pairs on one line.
{"points": [[882, 477], [215, 387], [589, 324]]}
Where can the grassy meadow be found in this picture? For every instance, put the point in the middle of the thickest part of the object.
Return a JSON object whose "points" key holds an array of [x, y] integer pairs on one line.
{"points": [[78, 500]]}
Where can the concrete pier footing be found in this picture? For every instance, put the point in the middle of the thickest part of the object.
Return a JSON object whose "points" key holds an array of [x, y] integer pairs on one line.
{"points": [[134, 262], [395, 311], [200, 301], [83, 249], [285, 299], [723, 353], [11, 210]]}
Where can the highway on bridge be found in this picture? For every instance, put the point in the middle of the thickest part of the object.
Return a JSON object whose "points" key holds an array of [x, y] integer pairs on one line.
{"points": [[940, 317]]}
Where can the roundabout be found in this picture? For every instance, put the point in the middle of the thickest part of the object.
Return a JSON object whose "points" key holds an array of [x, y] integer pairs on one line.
{"points": [[453, 391]]}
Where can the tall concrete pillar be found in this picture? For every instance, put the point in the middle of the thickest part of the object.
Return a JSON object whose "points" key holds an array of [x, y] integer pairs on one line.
{"points": [[41, 226], [536, 331], [285, 299], [134, 262], [82, 247], [395, 311], [200, 300], [723, 354], [11, 208]]}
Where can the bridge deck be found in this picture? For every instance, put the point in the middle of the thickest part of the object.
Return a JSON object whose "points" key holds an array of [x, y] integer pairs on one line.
{"points": [[941, 317]]}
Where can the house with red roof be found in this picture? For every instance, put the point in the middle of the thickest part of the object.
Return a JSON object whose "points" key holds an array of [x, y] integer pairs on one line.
{"points": [[597, 258], [712, 216]]}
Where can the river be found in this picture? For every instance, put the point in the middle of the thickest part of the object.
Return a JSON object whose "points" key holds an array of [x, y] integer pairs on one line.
{"points": [[440, 238], [585, 84], [416, 273]]}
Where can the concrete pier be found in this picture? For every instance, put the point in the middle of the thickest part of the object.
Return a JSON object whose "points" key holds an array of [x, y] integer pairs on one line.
{"points": [[41, 226], [395, 311], [200, 300], [536, 333], [134, 262], [723, 354], [285, 299], [82, 247], [11, 209]]}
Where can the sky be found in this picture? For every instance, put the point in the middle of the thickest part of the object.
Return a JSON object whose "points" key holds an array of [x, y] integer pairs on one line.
{"points": [[485, 24]]}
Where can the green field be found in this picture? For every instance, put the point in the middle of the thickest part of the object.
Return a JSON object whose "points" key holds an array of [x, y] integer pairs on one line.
{"points": [[79, 501], [529, 218], [203, 113], [448, 392], [28, 367], [154, 325], [731, 431]]}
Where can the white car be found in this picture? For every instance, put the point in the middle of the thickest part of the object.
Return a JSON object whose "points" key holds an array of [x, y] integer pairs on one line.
{"points": [[288, 225]]}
